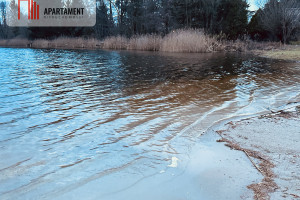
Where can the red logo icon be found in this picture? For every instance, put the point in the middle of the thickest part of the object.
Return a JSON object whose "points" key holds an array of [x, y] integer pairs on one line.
{"points": [[33, 10]]}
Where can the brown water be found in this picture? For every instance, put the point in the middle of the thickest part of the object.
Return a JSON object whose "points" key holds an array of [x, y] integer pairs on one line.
{"points": [[108, 120]]}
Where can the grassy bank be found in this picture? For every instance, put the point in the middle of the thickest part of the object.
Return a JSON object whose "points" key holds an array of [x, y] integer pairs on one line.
{"points": [[195, 41], [291, 52]]}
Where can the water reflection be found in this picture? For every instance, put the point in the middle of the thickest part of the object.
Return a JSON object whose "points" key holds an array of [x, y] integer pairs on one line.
{"points": [[68, 118]]}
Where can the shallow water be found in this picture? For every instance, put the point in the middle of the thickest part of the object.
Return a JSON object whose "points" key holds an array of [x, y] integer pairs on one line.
{"points": [[69, 118]]}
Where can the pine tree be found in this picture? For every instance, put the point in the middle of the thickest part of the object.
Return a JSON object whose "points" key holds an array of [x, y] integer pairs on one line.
{"points": [[232, 18], [102, 27]]}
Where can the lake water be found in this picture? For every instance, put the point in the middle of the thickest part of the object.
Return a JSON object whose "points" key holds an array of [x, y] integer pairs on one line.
{"points": [[103, 121]]}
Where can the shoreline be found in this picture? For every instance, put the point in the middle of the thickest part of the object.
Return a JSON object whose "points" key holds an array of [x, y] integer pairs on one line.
{"points": [[266, 50], [177, 41], [267, 147], [290, 53], [216, 171]]}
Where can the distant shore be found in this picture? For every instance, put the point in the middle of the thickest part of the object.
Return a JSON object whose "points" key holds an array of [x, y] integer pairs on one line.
{"points": [[290, 52], [181, 41], [185, 41]]}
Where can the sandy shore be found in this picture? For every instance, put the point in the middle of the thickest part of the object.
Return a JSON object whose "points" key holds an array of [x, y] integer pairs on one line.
{"points": [[272, 143]]}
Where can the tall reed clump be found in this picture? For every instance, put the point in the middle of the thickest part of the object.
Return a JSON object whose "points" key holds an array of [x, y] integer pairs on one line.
{"points": [[41, 43], [145, 43], [115, 42], [190, 40]]}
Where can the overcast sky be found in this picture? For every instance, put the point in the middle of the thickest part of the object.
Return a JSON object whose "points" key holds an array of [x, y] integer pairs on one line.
{"points": [[252, 5]]}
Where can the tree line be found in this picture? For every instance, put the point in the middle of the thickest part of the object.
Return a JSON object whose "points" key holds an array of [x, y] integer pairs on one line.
{"points": [[277, 20]]}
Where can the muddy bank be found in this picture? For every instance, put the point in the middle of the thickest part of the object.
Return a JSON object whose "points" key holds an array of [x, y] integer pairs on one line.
{"points": [[272, 144]]}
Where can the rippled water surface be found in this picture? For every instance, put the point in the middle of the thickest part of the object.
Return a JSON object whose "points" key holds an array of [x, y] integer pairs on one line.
{"points": [[73, 118]]}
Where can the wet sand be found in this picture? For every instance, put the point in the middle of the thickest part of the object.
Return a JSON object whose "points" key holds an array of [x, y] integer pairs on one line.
{"points": [[272, 143], [212, 172]]}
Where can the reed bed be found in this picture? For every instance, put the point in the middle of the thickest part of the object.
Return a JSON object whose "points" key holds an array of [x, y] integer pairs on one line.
{"points": [[16, 42], [145, 43], [115, 42], [190, 41], [40, 43], [137, 42], [182, 40], [177, 41], [67, 43]]}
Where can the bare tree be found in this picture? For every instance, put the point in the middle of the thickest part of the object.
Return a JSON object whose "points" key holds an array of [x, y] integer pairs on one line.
{"points": [[2, 19], [281, 18], [290, 21]]}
